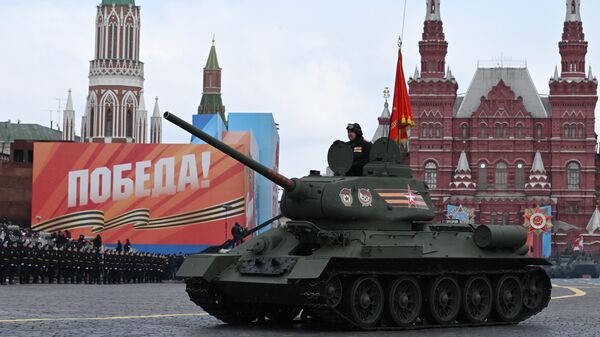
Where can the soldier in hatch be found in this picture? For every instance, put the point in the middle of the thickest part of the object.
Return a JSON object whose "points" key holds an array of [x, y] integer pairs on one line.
{"points": [[360, 147]]}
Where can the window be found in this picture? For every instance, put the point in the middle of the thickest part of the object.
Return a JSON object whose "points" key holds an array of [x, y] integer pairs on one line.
{"points": [[538, 131], [573, 9], [30, 156], [573, 175], [129, 125], [482, 131], [519, 176], [519, 131], [573, 208], [431, 174], [500, 175], [92, 133], [108, 124], [493, 218], [505, 218], [19, 156], [482, 182], [436, 130], [424, 131], [464, 131], [580, 132], [501, 130]]}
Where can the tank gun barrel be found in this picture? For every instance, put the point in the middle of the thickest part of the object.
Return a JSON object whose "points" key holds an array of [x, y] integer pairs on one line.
{"points": [[284, 182]]}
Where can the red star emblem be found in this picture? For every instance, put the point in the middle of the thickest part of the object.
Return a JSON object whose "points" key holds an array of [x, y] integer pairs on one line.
{"points": [[411, 198]]}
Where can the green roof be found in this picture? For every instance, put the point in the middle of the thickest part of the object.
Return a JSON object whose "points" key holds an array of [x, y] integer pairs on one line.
{"points": [[118, 2], [19, 131], [211, 104], [212, 62]]}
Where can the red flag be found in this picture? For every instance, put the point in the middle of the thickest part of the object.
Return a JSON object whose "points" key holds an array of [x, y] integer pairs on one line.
{"points": [[402, 117]]}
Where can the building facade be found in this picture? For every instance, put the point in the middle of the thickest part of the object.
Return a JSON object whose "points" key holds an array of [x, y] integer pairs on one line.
{"points": [[502, 147], [115, 112]]}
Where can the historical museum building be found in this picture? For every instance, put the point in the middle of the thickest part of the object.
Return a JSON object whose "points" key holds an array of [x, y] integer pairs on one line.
{"points": [[115, 109], [502, 148]]}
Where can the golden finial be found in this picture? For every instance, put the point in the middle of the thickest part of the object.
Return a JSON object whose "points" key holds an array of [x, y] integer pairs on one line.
{"points": [[213, 39], [386, 93]]}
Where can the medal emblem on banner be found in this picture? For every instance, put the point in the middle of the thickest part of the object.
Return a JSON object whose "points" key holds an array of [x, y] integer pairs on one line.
{"points": [[538, 220]]}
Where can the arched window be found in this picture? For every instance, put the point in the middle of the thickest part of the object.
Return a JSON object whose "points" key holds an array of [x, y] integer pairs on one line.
{"points": [[538, 131], [432, 7], [431, 174], [500, 175], [423, 130], [580, 133], [464, 131], [482, 182], [493, 218], [519, 131], [91, 122], [108, 123], [482, 131], [573, 175], [505, 218], [520, 176], [573, 7], [129, 124], [438, 131]]}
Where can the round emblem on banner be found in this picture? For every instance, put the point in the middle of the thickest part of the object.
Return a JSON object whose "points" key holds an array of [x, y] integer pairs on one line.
{"points": [[538, 221]]}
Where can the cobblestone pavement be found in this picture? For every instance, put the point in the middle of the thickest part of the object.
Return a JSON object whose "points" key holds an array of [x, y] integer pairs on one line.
{"points": [[164, 310]]}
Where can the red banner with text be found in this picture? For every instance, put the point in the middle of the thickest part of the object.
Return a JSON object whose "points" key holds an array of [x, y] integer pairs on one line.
{"points": [[148, 193]]}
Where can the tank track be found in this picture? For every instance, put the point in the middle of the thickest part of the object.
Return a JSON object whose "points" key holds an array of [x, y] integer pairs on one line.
{"points": [[314, 300]]}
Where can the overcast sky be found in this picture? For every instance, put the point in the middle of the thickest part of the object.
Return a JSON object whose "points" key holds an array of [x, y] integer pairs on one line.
{"points": [[316, 65]]}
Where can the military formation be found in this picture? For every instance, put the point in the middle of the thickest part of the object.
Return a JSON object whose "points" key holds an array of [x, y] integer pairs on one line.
{"points": [[56, 258]]}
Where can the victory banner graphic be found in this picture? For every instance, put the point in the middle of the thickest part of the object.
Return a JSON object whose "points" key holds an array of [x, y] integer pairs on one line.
{"points": [[151, 194]]}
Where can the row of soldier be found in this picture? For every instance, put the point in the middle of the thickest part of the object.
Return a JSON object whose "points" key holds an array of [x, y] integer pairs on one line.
{"points": [[31, 262]]}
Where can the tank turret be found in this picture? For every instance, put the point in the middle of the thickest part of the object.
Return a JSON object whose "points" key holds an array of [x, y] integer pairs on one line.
{"points": [[384, 197]]}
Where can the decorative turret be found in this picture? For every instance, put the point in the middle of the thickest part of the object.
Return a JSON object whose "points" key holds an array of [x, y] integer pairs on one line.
{"points": [[69, 120], [573, 46], [383, 127], [142, 120], [156, 124], [211, 102], [462, 179], [538, 180]]}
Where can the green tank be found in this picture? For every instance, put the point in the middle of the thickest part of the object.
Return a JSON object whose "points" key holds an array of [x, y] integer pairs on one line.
{"points": [[363, 252]]}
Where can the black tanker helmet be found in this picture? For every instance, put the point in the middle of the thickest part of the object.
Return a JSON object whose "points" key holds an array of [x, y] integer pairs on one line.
{"points": [[355, 127]]}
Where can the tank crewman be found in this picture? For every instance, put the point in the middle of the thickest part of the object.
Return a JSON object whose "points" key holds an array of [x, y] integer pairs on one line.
{"points": [[360, 147]]}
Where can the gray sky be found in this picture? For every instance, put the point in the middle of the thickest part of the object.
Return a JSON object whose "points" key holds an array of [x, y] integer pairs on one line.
{"points": [[316, 65]]}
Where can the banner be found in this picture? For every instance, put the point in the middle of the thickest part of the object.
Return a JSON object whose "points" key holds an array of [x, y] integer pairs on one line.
{"points": [[151, 194], [464, 215], [538, 222]]}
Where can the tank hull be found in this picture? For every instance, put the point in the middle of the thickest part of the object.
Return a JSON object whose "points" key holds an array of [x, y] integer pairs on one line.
{"points": [[354, 282]]}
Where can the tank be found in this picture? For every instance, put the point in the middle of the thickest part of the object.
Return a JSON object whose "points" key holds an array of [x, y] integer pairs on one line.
{"points": [[362, 252], [583, 265]]}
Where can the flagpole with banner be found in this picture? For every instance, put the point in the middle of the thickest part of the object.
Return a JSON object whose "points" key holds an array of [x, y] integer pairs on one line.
{"points": [[402, 117]]}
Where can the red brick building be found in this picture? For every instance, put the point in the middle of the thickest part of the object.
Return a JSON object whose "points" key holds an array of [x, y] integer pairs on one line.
{"points": [[502, 147]]}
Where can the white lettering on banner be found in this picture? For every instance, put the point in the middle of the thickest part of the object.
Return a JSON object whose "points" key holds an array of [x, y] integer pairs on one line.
{"points": [[123, 187], [141, 177], [81, 176], [100, 185], [188, 173], [103, 183]]}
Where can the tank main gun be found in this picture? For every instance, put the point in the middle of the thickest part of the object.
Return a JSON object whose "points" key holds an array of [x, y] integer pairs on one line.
{"points": [[287, 184]]}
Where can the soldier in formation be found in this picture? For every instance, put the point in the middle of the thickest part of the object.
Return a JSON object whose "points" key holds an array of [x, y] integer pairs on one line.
{"points": [[35, 262]]}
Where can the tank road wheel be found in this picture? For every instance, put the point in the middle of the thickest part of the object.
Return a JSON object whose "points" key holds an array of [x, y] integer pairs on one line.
{"points": [[444, 300], [282, 314], [405, 301], [533, 289], [366, 301], [333, 291], [508, 298], [477, 299]]}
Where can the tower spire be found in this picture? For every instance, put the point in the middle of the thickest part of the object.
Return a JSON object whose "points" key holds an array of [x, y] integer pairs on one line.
{"points": [[433, 46], [69, 120], [156, 124], [211, 102], [433, 11], [573, 46]]}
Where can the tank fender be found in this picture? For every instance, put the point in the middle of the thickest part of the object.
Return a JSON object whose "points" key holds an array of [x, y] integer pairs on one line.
{"points": [[309, 268], [206, 266]]}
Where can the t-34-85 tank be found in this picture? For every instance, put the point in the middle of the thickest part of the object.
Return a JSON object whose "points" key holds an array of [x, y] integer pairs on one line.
{"points": [[361, 252]]}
